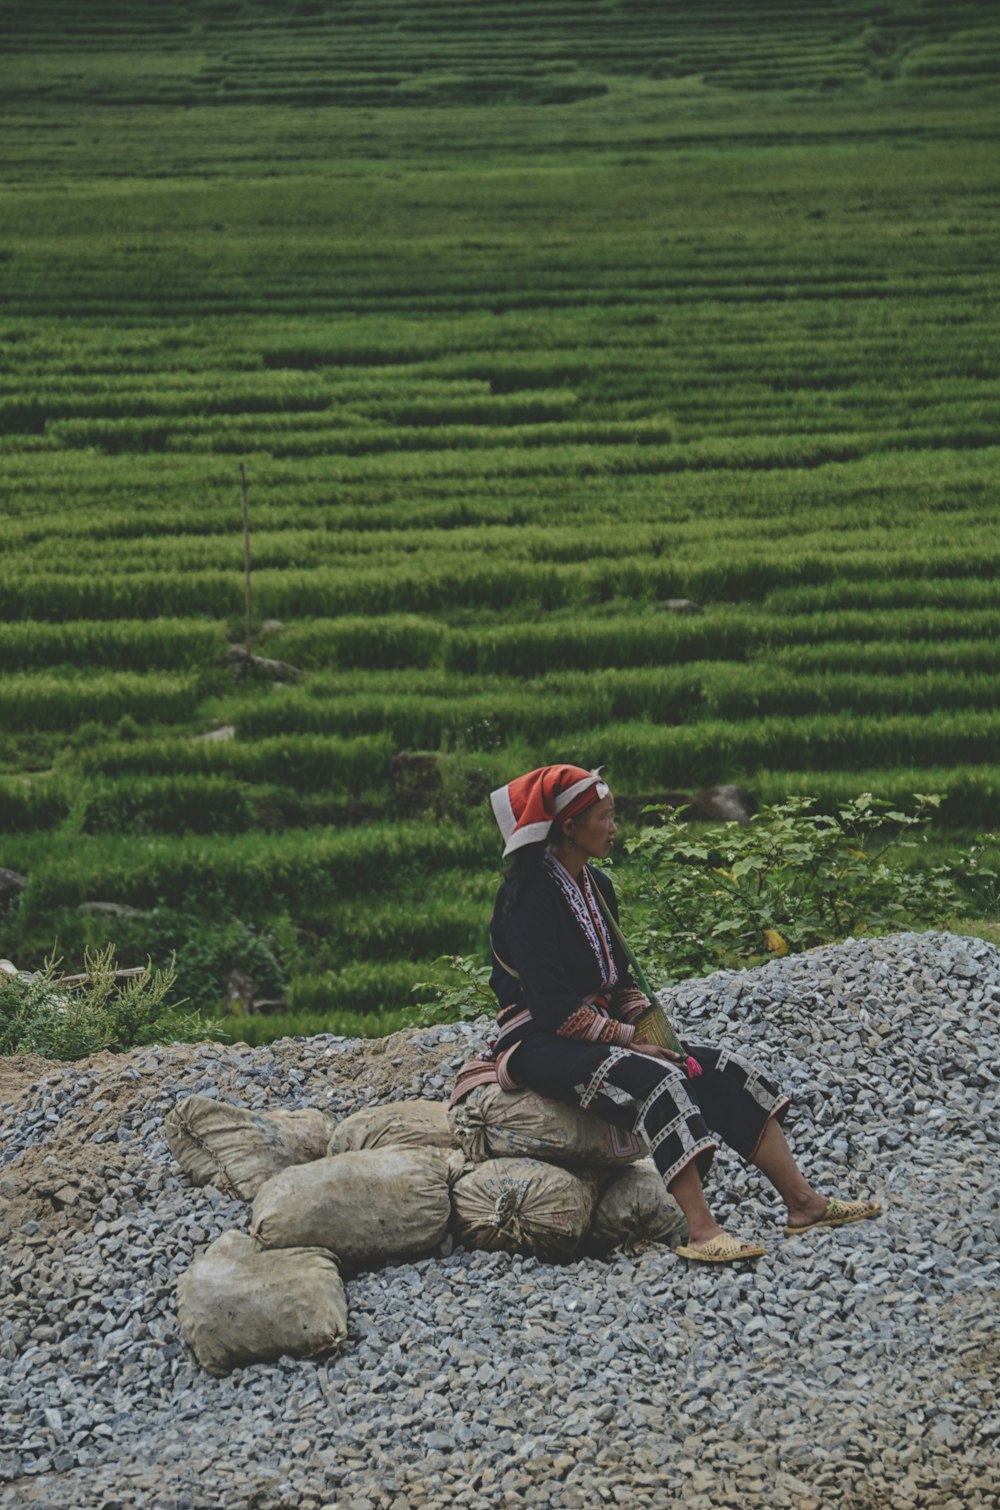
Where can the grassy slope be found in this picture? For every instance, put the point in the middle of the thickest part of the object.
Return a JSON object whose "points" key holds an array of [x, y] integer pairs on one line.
{"points": [[707, 289]]}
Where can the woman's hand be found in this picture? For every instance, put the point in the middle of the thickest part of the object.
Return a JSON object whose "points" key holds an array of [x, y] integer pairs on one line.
{"points": [[655, 1052], [690, 1066]]}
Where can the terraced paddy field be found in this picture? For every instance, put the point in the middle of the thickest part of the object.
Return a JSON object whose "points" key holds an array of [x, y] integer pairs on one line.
{"points": [[524, 322]]}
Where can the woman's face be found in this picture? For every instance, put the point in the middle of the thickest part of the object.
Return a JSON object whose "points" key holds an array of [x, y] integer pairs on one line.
{"points": [[594, 830]]}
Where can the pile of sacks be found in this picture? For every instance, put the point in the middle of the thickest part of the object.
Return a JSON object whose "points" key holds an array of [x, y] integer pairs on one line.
{"points": [[503, 1170]]}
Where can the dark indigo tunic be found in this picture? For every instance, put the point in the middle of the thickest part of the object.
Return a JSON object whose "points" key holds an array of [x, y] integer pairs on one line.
{"points": [[564, 1030], [541, 940]]}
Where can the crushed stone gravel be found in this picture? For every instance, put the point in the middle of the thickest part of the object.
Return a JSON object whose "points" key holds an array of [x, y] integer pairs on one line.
{"points": [[853, 1367]]}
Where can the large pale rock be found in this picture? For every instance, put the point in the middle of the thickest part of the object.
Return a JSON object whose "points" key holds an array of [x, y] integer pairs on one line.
{"points": [[12, 883]]}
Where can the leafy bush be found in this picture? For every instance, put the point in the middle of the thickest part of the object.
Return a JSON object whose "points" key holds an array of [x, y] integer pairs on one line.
{"points": [[202, 947], [42, 1014], [463, 995], [709, 897], [725, 896]]}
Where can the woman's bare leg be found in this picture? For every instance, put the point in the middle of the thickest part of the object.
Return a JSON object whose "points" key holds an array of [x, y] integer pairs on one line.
{"points": [[686, 1189], [774, 1159]]}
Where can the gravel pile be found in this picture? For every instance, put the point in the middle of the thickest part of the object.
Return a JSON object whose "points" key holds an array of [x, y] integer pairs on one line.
{"points": [[853, 1367]]}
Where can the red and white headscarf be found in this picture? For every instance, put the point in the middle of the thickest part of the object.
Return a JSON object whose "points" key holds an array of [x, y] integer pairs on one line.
{"points": [[525, 809]]}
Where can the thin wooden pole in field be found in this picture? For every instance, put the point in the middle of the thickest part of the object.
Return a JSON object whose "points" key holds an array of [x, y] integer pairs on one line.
{"points": [[246, 558]]}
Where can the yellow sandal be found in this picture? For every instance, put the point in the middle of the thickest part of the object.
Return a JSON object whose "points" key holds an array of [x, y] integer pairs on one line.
{"points": [[838, 1213], [724, 1249]]}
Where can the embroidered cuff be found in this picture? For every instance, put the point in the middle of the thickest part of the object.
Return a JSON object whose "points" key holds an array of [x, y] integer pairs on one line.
{"points": [[631, 1003], [621, 1033], [591, 1026]]}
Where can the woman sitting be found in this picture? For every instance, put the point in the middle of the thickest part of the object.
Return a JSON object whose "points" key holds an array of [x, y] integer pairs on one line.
{"points": [[568, 1007]]}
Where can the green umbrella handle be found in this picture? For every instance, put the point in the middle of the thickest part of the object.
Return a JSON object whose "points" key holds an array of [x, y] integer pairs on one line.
{"points": [[673, 1042]]}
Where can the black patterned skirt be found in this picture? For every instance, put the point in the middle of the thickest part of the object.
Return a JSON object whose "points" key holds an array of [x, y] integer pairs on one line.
{"points": [[673, 1115]]}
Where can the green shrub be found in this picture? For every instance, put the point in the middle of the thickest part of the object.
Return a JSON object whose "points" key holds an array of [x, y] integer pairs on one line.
{"points": [[41, 1014], [969, 795], [203, 946], [460, 993], [724, 896]]}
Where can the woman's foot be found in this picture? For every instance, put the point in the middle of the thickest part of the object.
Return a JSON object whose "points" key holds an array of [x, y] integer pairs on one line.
{"points": [[721, 1249], [701, 1232], [807, 1210], [829, 1212]]}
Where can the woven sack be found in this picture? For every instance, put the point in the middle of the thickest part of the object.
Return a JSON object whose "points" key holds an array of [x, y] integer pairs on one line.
{"points": [[403, 1124], [372, 1206], [238, 1305], [236, 1149], [635, 1209], [523, 1206], [495, 1124]]}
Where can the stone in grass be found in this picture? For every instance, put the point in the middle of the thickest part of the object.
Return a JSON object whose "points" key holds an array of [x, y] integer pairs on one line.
{"points": [[238, 1305], [12, 883]]}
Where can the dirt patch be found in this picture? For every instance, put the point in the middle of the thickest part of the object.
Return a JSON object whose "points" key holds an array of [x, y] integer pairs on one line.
{"points": [[19, 1072], [60, 1180], [387, 1065]]}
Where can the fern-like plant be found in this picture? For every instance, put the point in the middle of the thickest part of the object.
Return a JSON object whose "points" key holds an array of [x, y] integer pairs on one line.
{"points": [[45, 1014], [463, 995]]}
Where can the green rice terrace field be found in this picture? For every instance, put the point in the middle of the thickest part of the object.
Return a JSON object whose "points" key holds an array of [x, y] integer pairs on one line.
{"points": [[524, 320]]}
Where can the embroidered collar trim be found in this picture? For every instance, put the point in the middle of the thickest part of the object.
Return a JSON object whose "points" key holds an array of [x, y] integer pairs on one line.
{"points": [[587, 912]]}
